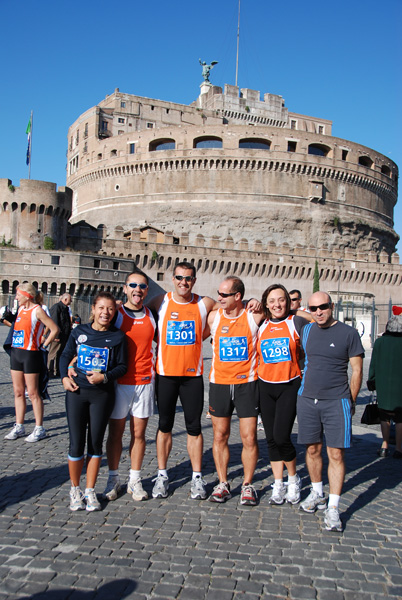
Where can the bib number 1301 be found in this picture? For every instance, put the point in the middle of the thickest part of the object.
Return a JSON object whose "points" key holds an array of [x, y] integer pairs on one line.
{"points": [[180, 333]]}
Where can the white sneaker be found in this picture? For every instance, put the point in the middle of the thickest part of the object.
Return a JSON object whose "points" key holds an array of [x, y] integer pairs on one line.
{"points": [[76, 499], [160, 489], [293, 491], [91, 500], [112, 489], [198, 491], [38, 434], [278, 494], [16, 432], [332, 519], [136, 490], [313, 502]]}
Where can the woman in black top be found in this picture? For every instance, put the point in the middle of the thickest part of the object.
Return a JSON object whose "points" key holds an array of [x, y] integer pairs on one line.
{"points": [[101, 357]]}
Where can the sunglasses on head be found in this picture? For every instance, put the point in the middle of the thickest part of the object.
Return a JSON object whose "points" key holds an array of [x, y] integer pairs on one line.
{"points": [[142, 286], [186, 278], [320, 306], [226, 295]]}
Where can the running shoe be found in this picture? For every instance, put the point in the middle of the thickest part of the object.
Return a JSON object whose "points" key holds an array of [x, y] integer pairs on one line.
{"points": [[332, 519], [278, 493], [38, 434], [313, 502], [136, 490], [248, 495], [198, 491], [112, 489], [76, 499], [91, 500], [16, 432], [293, 491], [160, 489], [220, 493]]}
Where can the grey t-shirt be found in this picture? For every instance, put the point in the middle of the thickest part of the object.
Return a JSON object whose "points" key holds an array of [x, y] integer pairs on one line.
{"points": [[327, 353]]}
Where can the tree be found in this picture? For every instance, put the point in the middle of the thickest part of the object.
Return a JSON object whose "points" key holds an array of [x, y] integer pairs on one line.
{"points": [[316, 283], [48, 243]]}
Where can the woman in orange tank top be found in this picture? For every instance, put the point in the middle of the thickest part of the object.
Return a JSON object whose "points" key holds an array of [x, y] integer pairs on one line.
{"points": [[279, 379], [26, 360]]}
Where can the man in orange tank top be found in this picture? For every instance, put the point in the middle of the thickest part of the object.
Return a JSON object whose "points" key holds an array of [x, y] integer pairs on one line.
{"points": [[179, 367], [135, 392], [233, 384]]}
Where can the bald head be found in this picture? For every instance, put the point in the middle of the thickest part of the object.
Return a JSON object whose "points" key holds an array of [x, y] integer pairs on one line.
{"points": [[320, 305]]}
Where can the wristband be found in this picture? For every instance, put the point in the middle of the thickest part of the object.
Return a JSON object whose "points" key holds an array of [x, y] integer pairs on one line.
{"points": [[71, 367]]}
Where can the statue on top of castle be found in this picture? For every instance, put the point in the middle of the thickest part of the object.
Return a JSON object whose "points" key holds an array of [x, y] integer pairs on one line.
{"points": [[207, 68]]}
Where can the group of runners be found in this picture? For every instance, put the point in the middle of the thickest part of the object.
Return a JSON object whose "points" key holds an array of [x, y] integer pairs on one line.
{"points": [[108, 371]]}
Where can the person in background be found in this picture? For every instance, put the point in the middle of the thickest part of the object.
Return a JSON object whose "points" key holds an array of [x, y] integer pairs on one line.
{"points": [[385, 376], [26, 358], [60, 314]]}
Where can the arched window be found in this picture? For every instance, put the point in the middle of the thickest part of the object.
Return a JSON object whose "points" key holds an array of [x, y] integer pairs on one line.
{"points": [[162, 144], [386, 170], [207, 142], [365, 161], [318, 150], [255, 144], [5, 286]]}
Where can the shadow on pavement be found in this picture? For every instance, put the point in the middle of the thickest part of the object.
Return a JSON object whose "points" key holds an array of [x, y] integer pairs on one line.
{"points": [[116, 589]]}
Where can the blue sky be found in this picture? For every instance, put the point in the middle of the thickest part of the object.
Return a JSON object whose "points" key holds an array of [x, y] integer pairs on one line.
{"points": [[336, 60]]}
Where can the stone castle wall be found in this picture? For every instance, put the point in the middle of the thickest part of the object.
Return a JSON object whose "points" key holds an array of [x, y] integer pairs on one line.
{"points": [[32, 211]]}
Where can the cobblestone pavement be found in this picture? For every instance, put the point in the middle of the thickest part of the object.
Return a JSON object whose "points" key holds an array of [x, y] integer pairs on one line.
{"points": [[187, 549]]}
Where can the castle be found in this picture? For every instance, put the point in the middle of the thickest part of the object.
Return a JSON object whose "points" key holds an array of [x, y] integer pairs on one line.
{"points": [[234, 183]]}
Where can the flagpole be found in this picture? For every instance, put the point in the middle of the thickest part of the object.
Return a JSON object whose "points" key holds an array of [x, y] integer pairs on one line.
{"points": [[238, 36], [30, 147]]}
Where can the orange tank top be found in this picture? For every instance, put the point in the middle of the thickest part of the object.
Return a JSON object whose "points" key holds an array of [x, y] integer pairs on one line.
{"points": [[234, 348], [278, 351], [140, 331], [180, 329], [27, 329]]}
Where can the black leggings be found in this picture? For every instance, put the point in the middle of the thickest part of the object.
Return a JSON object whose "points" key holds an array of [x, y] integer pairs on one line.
{"points": [[278, 413], [191, 392], [87, 408]]}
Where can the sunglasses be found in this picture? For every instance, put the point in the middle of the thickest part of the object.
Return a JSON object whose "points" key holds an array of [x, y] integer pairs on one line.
{"points": [[320, 306], [226, 295], [295, 299], [142, 286], [187, 278]]}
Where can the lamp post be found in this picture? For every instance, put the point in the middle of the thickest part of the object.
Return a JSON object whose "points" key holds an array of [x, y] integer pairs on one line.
{"points": [[340, 261]]}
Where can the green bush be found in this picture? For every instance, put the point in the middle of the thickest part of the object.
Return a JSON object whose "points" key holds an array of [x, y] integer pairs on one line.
{"points": [[48, 243]]}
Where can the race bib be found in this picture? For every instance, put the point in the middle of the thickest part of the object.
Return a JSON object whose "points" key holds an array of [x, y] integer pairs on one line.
{"points": [[274, 351], [18, 339], [92, 359], [180, 333], [233, 349]]}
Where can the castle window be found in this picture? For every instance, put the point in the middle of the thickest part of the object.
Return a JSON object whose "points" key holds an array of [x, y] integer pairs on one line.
{"points": [[318, 150], [55, 260], [116, 265], [86, 130], [113, 152], [120, 132], [321, 129], [104, 126], [122, 104], [96, 263], [100, 156], [292, 146], [159, 276], [344, 154], [386, 170], [162, 144], [255, 144], [207, 142], [120, 120], [132, 148], [293, 124], [150, 125], [365, 161]]}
